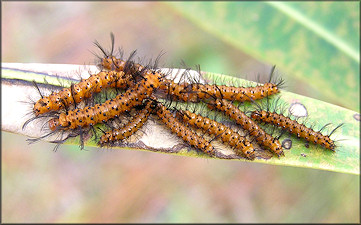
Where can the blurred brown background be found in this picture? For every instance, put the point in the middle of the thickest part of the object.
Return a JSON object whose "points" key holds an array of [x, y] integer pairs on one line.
{"points": [[100, 185]]}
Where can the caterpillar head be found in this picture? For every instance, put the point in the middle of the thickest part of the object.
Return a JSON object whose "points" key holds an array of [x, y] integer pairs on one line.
{"points": [[41, 106], [54, 124], [250, 152]]}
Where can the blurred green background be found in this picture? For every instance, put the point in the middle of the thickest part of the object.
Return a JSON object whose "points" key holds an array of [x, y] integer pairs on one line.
{"points": [[134, 186]]}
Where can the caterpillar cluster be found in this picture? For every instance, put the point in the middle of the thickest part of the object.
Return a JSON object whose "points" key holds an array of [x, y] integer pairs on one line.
{"points": [[110, 137], [76, 93], [183, 131], [248, 124], [195, 92], [90, 116], [142, 86], [219, 130]]}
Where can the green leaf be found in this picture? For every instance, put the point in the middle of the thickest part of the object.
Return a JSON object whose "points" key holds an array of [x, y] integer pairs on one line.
{"points": [[158, 138], [315, 42]]}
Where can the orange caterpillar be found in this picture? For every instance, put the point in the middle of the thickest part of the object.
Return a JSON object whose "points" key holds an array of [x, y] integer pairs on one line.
{"points": [[242, 119], [183, 131], [130, 128], [89, 116], [226, 134], [292, 126], [82, 90], [196, 92]]}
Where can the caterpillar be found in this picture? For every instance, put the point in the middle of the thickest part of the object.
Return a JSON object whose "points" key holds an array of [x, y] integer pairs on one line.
{"points": [[89, 116], [296, 128], [242, 119], [226, 134], [183, 131], [82, 90], [128, 129], [197, 92]]}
